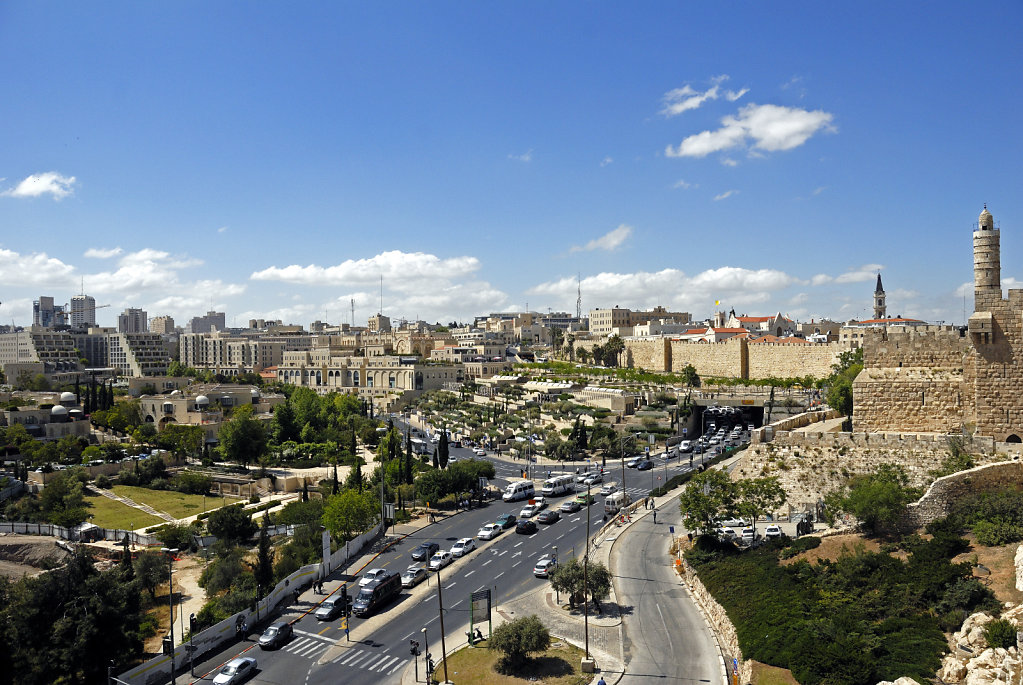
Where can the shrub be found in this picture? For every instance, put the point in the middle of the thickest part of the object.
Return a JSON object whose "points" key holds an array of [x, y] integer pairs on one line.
{"points": [[1000, 633], [995, 533], [517, 640], [103, 481]]}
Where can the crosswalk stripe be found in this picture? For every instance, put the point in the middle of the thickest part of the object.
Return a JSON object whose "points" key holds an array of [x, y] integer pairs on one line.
{"points": [[380, 668], [295, 646], [372, 663], [363, 656], [309, 649], [351, 655], [399, 665]]}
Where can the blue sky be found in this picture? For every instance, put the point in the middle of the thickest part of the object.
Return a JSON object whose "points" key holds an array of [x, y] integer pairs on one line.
{"points": [[275, 160]]}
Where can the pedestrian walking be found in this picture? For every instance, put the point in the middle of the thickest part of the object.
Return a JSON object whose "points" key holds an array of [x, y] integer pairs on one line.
{"points": [[655, 516], [601, 681]]}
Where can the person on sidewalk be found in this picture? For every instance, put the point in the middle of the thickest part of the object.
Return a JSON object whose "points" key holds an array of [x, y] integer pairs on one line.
{"points": [[601, 681], [655, 516]]}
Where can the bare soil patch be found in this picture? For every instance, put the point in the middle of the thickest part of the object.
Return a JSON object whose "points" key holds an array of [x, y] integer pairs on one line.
{"points": [[29, 555], [834, 546], [1000, 561]]}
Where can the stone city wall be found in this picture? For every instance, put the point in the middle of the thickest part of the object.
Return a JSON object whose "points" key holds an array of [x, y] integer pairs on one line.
{"points": [[944, 492], [923, 346], [650, 355], [908, 399], [809, 465], [792, 360], [725, 359]]}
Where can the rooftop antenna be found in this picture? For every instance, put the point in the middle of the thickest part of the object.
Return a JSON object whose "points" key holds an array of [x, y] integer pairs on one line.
{"points": [[381, 295], [353, 312]]}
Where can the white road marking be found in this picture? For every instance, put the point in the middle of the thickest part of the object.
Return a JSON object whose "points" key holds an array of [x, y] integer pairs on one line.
{"points": [[519, 544], [470, 573], [387, 664], [499, 575], [487, 562], [398, 665]]}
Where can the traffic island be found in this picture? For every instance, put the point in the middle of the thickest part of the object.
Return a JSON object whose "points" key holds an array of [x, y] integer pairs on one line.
{"points": [[557, 665]]}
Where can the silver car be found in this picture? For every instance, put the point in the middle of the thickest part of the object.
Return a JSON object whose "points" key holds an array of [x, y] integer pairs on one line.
{"points": [[236, 671]]}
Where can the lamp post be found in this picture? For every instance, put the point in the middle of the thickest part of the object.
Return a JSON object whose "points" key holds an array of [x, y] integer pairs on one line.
{"points": [[440, 602], [426, 651], [586, 564], [557, 593], [170, 552]]}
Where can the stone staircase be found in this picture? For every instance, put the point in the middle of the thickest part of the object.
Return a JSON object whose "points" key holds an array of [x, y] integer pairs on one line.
{"points": [[131, 503]]}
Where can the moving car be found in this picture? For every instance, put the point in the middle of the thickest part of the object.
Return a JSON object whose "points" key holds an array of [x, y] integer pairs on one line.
{"points": [[773, 531], [371, 575], [276, 635], [582, 499], [440, 559], [236, 671], [489, 531], [424, 551], [544, 566], [571, 506], [549, 516], [529, 511], [525, 527], [330, 608], [376, 594], [413, 576], [609, 489], [633, 462], [644, 465], [463, 547], [480, 452], [505, 520], [593, 479]]}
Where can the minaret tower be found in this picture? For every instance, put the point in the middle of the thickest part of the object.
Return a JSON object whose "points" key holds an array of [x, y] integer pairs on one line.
{"points": [[880, 310], [987, 284]]}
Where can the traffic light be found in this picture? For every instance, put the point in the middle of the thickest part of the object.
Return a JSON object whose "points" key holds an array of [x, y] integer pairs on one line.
{"points": [[345, 608], [168, 646], [414, 648], [429, 665]]}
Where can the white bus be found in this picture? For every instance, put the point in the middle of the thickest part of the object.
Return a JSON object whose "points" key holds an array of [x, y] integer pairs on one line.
{"points": [[558, 485], [522, 489]]}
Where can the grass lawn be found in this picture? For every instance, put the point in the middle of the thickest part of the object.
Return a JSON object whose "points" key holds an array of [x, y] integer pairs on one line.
{"points": [[107, 513], [177, 504], [559, 665], [771, 675]]}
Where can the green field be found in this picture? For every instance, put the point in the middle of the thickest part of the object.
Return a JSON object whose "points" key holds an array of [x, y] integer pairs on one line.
{"points": [[108, 513], [177, 504]]}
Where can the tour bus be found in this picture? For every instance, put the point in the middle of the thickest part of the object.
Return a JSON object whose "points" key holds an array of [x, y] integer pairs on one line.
{"points": [[522, 489], [558, 485], [615, 501]]}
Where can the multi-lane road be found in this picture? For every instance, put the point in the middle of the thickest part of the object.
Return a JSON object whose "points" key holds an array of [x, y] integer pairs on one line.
{"points": [[377, 648]]}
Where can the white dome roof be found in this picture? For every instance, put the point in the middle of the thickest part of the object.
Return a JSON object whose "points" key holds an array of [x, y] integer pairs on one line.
{"points": [[176, 393], [58, 411], [68, 397], [202, 399]]}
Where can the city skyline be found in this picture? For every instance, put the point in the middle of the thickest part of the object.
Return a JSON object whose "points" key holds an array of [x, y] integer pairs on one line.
{"points": [[277, 164]]}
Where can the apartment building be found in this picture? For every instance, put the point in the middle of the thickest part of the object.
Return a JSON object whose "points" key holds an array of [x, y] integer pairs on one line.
{"points": [[603, 322], [133, 320], [164, 325], [131, 354]]}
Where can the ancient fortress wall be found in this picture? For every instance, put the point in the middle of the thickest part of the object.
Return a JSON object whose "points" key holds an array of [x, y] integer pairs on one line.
{"points": [[946, 491], [927, 346], [650, 355], [909, 399], [725, 359], [792, 360]]}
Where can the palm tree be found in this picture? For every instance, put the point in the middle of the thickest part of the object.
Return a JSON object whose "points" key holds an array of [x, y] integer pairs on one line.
{"points": [[556, 335], [614, 348], [570, 345]]}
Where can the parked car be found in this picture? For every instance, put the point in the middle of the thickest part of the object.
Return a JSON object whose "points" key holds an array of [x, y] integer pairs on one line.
{"points": [[749, 536], [727, 534], [440, 559], [644, 465], [549, 516], [544, 565], [371, 575], [571, 506], [773, 531], [413, 576], [463, 547], [489, 531], [236, 671], [424, 551], [529, 511], [276, 635], [735, 523], [525, 527], [505, 520]]}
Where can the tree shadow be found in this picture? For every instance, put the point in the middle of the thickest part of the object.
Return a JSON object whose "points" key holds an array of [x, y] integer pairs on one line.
{"points": [[538, 668]]}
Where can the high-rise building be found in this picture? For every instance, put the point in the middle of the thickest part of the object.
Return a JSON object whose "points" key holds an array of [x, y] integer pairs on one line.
{"points": [[47, 314], [162, 325], [133, 320], [83, 311], [206, 324]]}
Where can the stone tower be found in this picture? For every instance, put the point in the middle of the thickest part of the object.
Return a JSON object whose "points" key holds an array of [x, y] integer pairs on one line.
{"points": [[880, 310], [987, 284]]}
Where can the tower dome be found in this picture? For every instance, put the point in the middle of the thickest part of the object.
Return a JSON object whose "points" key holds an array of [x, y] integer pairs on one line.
{"points": [[202, 401], [58, 410], [68, 398], [986, 221]]}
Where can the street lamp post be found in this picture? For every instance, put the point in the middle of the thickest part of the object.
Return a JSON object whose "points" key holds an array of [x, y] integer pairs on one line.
{"points": [[443, 647], [426, 651], [586, 563], [557, 593], [170, 552]]}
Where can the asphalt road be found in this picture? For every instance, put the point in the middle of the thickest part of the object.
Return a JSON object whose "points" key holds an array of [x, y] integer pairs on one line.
{"points": [[666, 638]]}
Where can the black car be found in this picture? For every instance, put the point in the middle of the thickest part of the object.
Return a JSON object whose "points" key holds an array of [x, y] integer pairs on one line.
{"points": [[644, 465], [276, 635], [425, 550], [525, 527], [548, 516]]}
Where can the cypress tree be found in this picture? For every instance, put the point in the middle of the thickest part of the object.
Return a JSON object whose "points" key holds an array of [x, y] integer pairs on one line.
{"points": [[436, 463], [442, 454]]}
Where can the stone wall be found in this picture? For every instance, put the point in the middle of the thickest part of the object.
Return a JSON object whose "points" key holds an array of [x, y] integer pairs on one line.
{"points": [[910, 399], [792, 360], [809, 465], [925, 346], [650, 355], [946, 491], [724, 359]]}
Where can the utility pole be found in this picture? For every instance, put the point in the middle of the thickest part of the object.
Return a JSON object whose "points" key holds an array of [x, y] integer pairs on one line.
{"points": [[170, 596], [443, 648], [586, 565]]}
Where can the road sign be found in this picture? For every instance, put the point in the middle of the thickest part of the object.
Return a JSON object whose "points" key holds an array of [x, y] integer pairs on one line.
{"points": [[480, 609], [389, 510], [685, 431], [671, 529]]}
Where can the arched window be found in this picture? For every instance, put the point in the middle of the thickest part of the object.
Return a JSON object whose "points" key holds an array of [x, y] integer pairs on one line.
{"points": [[1013, 438]]}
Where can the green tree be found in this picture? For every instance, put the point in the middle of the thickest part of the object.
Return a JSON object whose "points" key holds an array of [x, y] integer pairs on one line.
{"points": [[263, 570], [839, 394], [758, 496], [442, 449], [62, 500], [151, 571], [707, 496], [613, 349], [242, 438], [568, 578], [231, 524], [877, 500], [517, 640], [349, 514]]}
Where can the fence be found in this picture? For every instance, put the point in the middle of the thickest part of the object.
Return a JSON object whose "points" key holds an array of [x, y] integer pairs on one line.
{"points": [[11, 490], [157, 670], [77, 534]]}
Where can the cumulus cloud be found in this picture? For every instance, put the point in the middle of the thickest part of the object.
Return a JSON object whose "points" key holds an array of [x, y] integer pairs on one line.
{"points": [[33, 269], [682, 184], [686, 98], [102, 253], [669, 287], [49, 183], [764, 128], [604, 162], [611, 240], [863, 274], [400, 270], [725, 195], [728, 161], [526, 156]]}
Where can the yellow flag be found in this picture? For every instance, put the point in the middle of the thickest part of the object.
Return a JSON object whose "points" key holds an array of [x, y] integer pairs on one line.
{"points": [[716, 302]]}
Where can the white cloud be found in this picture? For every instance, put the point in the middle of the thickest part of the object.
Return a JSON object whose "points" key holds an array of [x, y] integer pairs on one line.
{"points": [[409, 271], [819, 190], [35, 269], [725, 195], [682, 184], [863, 274], [766, 128], [47, 183], [604, 162], [102, 253], [223, 229], [686, 98], [526, 156], [611, 240], [733, 95], [728, 161]]}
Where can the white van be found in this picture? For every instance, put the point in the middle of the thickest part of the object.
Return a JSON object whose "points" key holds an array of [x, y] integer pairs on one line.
{"points": [[558, 485], [522, 489], [616, 501]]}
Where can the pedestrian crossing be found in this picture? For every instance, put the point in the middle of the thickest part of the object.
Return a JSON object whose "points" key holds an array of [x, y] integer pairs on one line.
{"points": [[371, 660], [308, 647]]}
